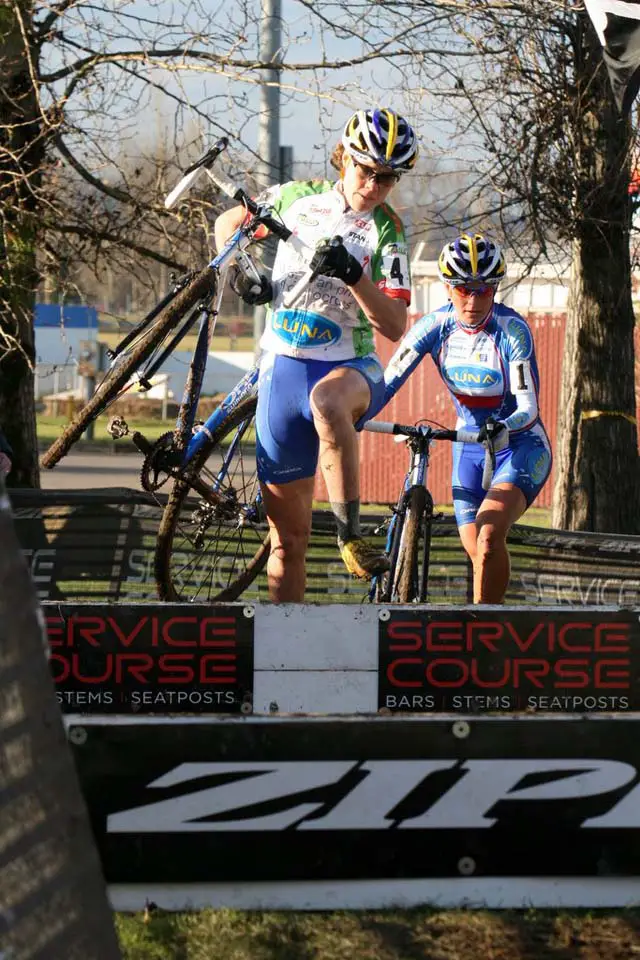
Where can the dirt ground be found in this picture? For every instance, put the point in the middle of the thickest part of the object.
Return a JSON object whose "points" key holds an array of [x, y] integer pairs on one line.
{"points": [[419, 934]]}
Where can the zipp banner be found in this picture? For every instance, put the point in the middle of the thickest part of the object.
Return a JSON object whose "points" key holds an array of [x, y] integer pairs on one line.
{"points": [[326, 799]]}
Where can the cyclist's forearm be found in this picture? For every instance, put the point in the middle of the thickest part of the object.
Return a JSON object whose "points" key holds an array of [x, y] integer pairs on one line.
{"points": [[523, 387], [386, 314], [226, 224]]}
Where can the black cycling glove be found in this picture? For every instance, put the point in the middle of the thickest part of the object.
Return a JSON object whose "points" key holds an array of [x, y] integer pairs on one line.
{"points": [[332, 259], [492, 429], [249, 289]]}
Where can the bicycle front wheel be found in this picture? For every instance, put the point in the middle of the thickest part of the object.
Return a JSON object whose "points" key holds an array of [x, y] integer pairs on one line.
{"points": [[406, 571], [203, 285], [213, 540]]}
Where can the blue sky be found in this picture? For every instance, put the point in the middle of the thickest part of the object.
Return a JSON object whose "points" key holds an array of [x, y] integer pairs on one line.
{"points": [[310, 118]]}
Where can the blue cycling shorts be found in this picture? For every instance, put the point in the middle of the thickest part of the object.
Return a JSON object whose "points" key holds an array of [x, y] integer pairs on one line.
{"points": [[286, 439], [526, 463]]}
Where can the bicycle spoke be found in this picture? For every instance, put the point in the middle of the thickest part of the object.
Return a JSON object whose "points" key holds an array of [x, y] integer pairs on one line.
{"points": [[217, 538]]}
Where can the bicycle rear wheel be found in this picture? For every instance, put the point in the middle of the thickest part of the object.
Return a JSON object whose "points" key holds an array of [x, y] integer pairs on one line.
{"points": [[212, 546], [203, 285]]}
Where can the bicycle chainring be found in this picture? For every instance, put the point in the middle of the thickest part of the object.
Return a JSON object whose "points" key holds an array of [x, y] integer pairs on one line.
{"points": [[159, 464]]}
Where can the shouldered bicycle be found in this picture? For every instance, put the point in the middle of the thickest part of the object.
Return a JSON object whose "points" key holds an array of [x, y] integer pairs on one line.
{"points": [[213, 539]]}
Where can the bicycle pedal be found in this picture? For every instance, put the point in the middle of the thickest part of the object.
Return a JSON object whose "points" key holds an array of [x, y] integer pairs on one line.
{"points": [[117, 428]]}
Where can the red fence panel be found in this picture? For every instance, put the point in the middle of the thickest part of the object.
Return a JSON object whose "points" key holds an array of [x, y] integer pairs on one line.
{"points": [[383, 463]]}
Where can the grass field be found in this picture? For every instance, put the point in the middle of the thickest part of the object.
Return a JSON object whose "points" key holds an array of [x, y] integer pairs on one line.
{"points": [[49, 428], [421, 934], [221, 341]]}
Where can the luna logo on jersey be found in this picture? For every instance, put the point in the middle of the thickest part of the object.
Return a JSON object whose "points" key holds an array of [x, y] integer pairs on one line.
{"points": [[538, 463], [347, 795], [520, 335], [303, 329], [519, 655], [474, 378]]}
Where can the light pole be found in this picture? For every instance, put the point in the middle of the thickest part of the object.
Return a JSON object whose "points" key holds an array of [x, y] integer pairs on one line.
{"points": [[268, 171]]}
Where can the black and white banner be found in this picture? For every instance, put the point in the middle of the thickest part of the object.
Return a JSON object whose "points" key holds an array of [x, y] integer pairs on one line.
{"points": [[617, 24], [188, 802]]}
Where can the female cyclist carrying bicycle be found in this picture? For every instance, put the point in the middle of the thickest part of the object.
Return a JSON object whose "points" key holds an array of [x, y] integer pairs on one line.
{"points": [[485, 355], [320, 378]]}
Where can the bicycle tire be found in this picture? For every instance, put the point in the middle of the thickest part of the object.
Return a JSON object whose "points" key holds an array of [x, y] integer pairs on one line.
{"points": [[178, 574], [423, 594], [407, 583], [202, 285]]}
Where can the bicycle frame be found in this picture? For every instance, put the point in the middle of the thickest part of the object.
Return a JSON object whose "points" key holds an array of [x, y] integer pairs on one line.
{"points": [[419, 445], [188, 444], [143, 350], [236, 244], [419, 440]]}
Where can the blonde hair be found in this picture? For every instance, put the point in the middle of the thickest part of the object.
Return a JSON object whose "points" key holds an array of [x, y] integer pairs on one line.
{"points": [[337, 157]]}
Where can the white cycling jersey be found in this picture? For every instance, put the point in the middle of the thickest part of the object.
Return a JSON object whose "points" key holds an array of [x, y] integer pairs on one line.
{"points": [[326, 322]]}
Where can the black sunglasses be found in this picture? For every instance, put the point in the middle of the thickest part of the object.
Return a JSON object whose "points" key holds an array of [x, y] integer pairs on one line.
{"points": [[383, 179]]}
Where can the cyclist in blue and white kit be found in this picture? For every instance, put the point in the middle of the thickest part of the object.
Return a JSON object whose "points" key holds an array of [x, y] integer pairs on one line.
{"points": [[319, 375], [485, 355]]}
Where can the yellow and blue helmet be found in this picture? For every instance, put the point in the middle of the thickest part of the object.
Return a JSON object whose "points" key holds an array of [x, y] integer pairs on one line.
{"points": [[381, 136], [472, 257]]}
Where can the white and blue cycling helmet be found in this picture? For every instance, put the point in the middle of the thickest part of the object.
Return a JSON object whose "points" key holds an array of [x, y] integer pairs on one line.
{"points": [[472, 257], [382, 136]]}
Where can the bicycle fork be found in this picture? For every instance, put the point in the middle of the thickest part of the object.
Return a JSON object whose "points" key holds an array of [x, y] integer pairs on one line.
{"points": [[396, 535]]}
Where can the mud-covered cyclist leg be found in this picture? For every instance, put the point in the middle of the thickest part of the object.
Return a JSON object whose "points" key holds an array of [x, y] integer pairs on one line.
{"points": [[348, 394], [485, 540], [484, 521], [288, 509]]}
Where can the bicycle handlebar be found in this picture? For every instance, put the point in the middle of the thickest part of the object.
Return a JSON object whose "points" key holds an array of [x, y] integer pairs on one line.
{"points": [[455, 436], [193, 173], [232, 190], [277, 227], [400, 429], [261, 212]]}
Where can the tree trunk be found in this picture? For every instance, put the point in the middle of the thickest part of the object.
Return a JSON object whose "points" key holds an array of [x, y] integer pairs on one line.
{"points": [[21, 160], [596, 459], [53, 901]]}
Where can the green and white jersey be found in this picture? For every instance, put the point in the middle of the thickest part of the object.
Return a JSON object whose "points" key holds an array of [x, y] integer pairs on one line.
{"points": [[326, 323]]}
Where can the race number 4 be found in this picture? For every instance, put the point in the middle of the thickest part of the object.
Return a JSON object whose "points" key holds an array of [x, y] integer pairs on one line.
{"points": [[395, 267]]}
